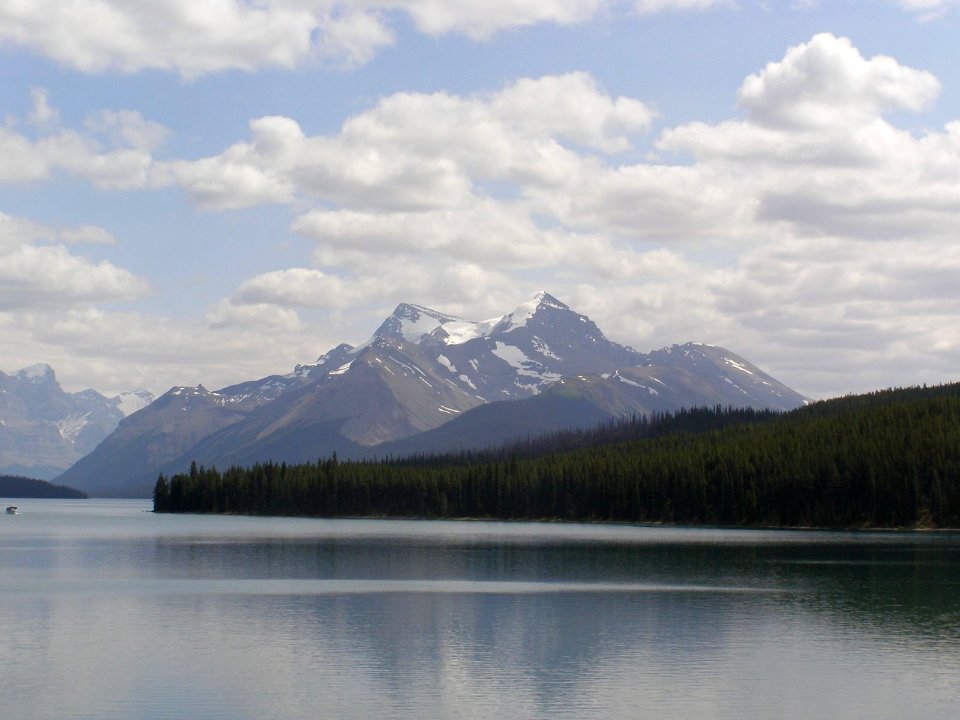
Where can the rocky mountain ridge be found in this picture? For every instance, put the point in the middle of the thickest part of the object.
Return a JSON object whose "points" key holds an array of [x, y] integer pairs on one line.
{"points": [[419, 371]]}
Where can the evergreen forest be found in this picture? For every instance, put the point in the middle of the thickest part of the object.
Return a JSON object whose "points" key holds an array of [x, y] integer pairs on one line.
{"points": [[884, 459], [17, 486]]}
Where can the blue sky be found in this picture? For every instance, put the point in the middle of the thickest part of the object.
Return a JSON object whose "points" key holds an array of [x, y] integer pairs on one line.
{"points": [[207, 192]]}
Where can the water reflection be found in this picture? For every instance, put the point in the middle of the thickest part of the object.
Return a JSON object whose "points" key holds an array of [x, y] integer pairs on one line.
{"points": [[121, 614]]}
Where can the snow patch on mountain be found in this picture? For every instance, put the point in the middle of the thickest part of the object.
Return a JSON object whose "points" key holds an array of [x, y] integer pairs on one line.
{"points": [[342, 369], [414, 328], [512, 356], [72, 425], [625, 381], [525, 312], [445, 361], [522, 363], [541, 347], [459, 332], [735, 364]]}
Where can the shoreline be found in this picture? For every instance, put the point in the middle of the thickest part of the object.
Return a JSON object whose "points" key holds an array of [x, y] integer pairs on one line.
{"points": [[627, 523]]}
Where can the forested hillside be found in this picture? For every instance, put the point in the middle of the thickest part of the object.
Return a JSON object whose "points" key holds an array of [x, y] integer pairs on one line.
{"points": [[887, 459], [15, 486]]}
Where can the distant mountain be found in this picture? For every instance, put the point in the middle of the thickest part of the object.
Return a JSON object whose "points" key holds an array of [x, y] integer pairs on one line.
{"points": [[425, 380], [44, 430]]}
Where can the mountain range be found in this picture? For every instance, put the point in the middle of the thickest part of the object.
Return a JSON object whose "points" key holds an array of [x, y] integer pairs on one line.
{"points": [[424, 382], [44, 430]]}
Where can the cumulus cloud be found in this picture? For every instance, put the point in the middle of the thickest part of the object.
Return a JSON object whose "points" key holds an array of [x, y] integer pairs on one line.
{"points": [[814, 151], [46, 287], [113, 151], [490, 232], [817, 154], [303, 287], [826, 82], [51, 275], [417, 151], [481, 20], [16, 231], [191, 38]]}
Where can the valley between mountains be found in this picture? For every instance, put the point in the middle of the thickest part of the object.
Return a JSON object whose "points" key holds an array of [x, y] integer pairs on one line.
{"points": [[425, 382]]}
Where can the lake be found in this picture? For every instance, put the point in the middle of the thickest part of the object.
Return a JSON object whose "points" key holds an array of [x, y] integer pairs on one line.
{"points": [[110, 611]]}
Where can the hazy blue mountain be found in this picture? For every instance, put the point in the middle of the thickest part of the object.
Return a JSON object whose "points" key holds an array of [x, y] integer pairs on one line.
{"points": [[44, 430]]}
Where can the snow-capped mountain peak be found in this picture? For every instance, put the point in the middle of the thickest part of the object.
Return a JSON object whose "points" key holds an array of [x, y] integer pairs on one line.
{"points": [[415, 323], [412, 322], [526, 312], [129, 402]]}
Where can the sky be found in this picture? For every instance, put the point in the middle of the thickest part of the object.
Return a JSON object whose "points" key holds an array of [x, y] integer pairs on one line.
{"points": [[212, 191]]}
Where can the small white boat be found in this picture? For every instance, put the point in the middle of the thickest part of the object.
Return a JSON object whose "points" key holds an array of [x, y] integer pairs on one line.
{"points": [[12, 510]]}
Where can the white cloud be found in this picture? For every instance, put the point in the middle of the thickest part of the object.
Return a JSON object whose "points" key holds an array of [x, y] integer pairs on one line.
{"points": [[17, 231], [23, 161], [480, 19], [45, 288], [42, 112], [113, 152], [127, 129], [652, 6], [262, 318], [188, 37], [489, 232], [416, 151], [193, 38], [826, 82], [571, 107], [928, 9], [301, 287], [33, 276], [817, 154], [87, 235]]}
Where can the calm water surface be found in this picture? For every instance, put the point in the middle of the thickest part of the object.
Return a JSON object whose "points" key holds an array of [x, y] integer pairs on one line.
{"points": [[108, 611]]}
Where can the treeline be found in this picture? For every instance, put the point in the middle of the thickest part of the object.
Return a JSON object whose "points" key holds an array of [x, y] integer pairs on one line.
{"points": [[615, 430], [16, 486], [888, 459]]}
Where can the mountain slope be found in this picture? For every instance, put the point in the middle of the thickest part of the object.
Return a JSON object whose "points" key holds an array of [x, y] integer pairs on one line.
{"points": [[142, 442], [690, 375]]}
